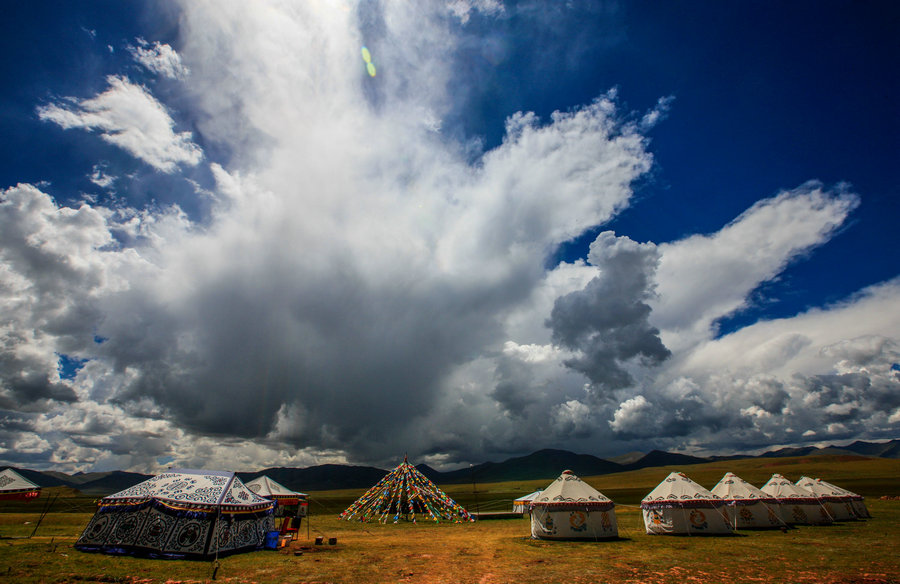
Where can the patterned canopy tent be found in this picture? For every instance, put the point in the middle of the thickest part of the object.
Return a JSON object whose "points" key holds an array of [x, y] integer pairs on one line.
{"points": [[838, 504], [798, 505], [180, 513], [15, 486], [569, 508], [405, 492], [746, 506], [679, 506]]}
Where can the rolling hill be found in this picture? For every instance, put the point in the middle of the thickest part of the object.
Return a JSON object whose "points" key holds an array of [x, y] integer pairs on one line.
{"points": [[544, 464]]}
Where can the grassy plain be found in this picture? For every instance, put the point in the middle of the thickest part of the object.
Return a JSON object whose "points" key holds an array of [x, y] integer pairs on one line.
{"points": [[862, 552]]}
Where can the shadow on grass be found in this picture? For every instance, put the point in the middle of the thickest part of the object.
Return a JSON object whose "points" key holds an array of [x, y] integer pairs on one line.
{"points": [[575, 540]]}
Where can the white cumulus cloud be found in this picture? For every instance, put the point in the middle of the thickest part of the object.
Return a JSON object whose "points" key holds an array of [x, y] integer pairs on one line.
{"points": [[159, 58], [129, 117]]}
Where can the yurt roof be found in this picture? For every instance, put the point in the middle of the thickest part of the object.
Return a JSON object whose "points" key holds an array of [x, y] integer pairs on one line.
{"points": [[734, 488], [268, 488], [820, 488], [678, 490], [781, 488], [568, 490], [842, 490], [13, 482], [191, 488]]}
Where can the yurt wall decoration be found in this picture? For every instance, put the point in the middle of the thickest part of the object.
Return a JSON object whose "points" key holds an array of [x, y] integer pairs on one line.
{"points": [[679, 506], [838, 505], [405, 493], [747, 506], [857, 501], [798, 506]]}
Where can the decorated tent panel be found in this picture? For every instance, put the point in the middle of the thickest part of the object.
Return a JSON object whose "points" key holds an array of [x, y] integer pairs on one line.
{"points": [[405, 493], [180, 513], [569, 508], [838, 504], [679, 506], [857, 501], [15, 486], [747, 506], [523, 503], [798, 506]]}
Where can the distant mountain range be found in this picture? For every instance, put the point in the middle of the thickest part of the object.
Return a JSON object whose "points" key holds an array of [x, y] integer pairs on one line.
{"points": [[543, 464]]}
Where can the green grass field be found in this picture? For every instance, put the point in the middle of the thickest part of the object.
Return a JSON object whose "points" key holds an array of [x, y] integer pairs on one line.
{"points": [[862, 552]]}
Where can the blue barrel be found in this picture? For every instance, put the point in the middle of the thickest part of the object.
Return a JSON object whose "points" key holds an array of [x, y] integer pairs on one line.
{"points": [[272, 540]]}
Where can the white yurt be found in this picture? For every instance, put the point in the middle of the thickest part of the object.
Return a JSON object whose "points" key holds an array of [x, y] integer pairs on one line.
{"points": [[748, 507], [523, 503], [858, 501], [679, 506], [798, 506], [275, 491], [837, 504], [290, 506], [572, 509]]}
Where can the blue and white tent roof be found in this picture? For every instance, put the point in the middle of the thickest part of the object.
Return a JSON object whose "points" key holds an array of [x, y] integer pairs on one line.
{"points": [[193, 489]]}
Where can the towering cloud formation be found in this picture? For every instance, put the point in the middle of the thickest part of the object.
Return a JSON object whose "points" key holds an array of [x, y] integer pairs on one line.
{"points": [[363, 283]]}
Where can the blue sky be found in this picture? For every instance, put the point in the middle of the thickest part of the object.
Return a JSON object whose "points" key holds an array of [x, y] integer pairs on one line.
{"points": [[617, 226]]}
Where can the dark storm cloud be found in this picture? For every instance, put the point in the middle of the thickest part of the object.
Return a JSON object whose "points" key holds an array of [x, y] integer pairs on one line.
{"points": [[607, 321]]}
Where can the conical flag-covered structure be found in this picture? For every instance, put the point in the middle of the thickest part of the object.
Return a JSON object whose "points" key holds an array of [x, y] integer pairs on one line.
{"points": [[405, 492]]}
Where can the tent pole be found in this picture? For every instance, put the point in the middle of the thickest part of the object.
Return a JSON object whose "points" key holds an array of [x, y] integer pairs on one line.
{"points": [[777, 515], [216, 535], [43, 514], [825, 509]]}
